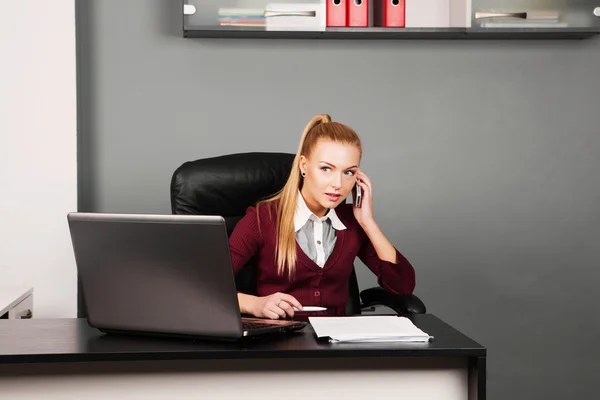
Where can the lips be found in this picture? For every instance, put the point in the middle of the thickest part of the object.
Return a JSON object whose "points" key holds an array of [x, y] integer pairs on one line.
{"points": [[333, 197]]}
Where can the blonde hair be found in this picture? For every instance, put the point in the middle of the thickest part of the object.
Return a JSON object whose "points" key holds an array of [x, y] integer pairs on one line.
{"points": [[319, 127]]}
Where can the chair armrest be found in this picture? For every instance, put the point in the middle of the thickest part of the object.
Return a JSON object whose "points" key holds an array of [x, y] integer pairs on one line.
{"points": [[378, 296]]}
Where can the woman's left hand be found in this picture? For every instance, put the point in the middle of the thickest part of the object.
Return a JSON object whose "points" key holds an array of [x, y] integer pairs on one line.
{"points": [[364, 214]]}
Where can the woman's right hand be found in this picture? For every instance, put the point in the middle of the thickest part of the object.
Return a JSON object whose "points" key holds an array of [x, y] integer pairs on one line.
{"points": [[278, 305]]}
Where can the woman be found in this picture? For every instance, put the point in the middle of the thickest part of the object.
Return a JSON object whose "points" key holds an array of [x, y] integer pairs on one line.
{"points": [[305, 240]]}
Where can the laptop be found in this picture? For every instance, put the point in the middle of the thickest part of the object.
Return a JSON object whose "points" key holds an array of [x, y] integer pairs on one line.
{"points": [[167, 275]]}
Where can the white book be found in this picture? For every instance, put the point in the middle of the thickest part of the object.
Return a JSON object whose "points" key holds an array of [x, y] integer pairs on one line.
{"points": [[368, 329]]}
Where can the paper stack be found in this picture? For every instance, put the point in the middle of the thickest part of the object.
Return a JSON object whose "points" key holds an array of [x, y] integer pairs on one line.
{"points": [[368, 329]]}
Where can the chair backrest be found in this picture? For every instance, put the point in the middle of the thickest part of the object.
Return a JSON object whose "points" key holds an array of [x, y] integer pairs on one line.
{"points": [[227, 185]]}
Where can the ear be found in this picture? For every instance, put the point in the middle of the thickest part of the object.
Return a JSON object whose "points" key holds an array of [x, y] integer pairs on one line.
{"points": [[303, 164]]}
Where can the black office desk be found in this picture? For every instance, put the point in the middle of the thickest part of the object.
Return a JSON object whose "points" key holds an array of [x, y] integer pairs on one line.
{"points": [[65, 357]]}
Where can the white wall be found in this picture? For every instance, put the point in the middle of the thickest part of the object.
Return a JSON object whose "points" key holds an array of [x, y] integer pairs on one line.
{"points": [[38, 151]]}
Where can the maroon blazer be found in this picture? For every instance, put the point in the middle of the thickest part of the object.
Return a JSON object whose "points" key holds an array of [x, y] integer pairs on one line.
{"points": [[312, 285]]}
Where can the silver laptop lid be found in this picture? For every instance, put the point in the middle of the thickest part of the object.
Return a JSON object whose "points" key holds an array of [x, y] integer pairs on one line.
{"points": [[168, 274]]}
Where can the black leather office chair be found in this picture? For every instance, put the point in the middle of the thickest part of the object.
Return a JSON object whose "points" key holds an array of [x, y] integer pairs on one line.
{"points": [[227, 185]]}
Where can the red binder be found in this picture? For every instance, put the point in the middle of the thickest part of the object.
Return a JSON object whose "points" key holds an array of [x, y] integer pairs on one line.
{"points": [[390, 13], [336, 12], [358, 12]]}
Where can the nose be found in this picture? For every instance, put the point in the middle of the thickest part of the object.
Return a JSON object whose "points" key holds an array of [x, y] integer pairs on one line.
{"points": [[337, 182]]}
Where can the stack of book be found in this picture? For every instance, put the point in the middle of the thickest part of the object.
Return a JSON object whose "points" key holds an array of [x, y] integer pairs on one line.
{"points": [[246, 17], [276, 16]]}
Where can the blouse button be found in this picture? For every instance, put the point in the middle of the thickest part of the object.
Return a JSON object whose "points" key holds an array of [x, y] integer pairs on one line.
{"points": [[318, 242], [317, 293], [320, 272]]}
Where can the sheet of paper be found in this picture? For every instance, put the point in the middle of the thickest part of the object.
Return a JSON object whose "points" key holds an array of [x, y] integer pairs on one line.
{"points": [[368, 329]]}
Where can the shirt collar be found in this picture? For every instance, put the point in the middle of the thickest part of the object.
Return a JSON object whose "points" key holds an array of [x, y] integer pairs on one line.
{"points": [[303, 214]]}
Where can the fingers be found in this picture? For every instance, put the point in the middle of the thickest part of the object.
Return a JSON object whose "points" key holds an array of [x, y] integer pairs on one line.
{"points": [[366, 191], [271, 314], [287, 308], [291, 300], [274, 311], [363, 180], [365, 184], [280, 305]]}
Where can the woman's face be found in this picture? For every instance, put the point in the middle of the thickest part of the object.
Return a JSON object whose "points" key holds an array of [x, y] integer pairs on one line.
{"points": [[330, 175]]}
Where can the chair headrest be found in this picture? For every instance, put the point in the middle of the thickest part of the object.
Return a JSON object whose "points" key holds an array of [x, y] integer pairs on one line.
{"points": [[227, 185]]}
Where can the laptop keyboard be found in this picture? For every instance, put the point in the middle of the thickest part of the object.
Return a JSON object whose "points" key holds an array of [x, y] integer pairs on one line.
{"points": [[256, 323], [247, 325]]}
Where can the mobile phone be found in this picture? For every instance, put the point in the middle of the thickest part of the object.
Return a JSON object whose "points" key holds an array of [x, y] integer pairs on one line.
{"points": [[357, 196]]}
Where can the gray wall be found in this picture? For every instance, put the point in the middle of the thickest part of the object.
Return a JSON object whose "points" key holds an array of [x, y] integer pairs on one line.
{"points": [[484, 158]]}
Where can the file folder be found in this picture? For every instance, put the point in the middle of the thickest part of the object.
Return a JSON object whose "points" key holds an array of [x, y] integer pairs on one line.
{"points": [[336, 12], [358, 12], [390, 13]]}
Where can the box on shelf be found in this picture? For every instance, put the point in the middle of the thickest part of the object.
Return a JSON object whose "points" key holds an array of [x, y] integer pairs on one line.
{"points": [[438, 13]]}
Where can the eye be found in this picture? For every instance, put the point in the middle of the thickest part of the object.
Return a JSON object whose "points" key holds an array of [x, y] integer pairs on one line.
{"points": [[350, 172], [325, 169]]}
